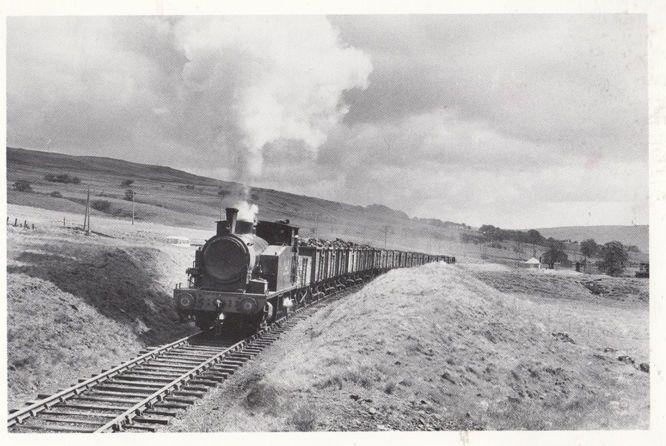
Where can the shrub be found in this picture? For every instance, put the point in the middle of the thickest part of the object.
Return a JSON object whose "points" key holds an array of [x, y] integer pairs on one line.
{"points": [[126, 183], [56, 194], [23, 186], [101, 205], [304, 419], [62, 178]]}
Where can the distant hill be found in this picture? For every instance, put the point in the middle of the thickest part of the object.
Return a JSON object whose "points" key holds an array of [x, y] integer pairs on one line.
{"points": [[386, 211], [174, 197], [628, 235]]}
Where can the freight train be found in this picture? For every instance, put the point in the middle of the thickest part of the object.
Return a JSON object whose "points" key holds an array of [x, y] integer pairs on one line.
{"points": [[250, 273]]}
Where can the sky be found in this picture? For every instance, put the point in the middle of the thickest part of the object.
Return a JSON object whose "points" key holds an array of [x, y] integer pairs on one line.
{"points": [[519, 121]]}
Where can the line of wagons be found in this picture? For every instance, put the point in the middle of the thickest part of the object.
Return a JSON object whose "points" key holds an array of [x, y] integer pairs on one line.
{"points": [[319, 265]]}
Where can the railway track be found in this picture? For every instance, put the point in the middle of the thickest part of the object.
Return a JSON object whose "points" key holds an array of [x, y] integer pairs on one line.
{"points": [[149, 390]]}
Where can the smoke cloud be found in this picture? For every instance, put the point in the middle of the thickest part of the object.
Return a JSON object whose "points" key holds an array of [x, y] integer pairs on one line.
{"points": [[275, 79], [270, 80], [246, 211]]}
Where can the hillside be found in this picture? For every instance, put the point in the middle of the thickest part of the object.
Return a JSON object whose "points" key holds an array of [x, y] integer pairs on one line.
{"points": [[629, 235], [176, 198], [172, 197], [77, 303]]}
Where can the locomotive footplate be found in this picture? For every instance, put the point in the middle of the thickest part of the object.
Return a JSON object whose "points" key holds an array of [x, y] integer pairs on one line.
{"points": [[190, 300]]}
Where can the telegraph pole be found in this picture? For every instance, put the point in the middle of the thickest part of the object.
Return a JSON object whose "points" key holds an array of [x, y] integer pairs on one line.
{"points": [[86, 219], [316, 225], [385, 235], [85, 216]]}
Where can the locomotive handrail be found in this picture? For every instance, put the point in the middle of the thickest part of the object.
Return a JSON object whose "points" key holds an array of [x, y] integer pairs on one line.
{"points": [[18, 415]]}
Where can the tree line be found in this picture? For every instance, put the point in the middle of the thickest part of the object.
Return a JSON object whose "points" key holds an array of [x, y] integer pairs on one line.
{"points": [[496, 234], [613, 256]]}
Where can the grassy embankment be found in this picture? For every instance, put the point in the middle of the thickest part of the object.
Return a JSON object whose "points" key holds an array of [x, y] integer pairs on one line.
{"points": [[451, 347], [77, 304]]}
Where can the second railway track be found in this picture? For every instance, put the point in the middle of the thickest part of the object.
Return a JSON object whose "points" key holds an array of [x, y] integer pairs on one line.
{"points": [[147, 391]]}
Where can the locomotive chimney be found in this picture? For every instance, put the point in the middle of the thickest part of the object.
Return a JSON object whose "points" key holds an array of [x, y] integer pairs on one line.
{"points": [[232, 215]]}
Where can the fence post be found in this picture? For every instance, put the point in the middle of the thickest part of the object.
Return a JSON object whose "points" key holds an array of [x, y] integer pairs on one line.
{"points": [[25, 224], [15, 222]]}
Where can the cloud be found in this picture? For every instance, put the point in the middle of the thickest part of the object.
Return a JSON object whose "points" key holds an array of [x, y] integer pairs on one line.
{"points": [[514, 120], [215, 86], [575, 78]]}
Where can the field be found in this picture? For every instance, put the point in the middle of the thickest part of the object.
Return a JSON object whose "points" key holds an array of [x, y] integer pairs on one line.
{"points": [[449, 350]]}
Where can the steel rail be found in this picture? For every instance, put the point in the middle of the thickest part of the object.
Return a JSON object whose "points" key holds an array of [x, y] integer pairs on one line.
{"points": [[117, 423], [33, 409]]}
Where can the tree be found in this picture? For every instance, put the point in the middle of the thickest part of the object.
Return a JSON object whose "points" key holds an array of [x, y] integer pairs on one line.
{"points": [[589, 248], [490, 231], [615, 258], [554, 254], [534, 238], [22, 186], [126, 183], [129, 195]]}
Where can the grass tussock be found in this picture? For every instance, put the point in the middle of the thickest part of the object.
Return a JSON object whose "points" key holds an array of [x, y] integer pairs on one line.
{"points": [[304, 419]]}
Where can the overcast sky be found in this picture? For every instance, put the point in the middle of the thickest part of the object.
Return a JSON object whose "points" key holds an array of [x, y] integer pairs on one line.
{"points": [[518, 121]]}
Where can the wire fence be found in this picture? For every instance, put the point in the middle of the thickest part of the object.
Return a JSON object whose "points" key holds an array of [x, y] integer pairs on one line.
{"points": [[18, 224]]}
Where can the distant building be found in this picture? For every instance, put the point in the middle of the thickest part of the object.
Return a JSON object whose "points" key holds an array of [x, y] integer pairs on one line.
{"points": [[178, 240], [533, 263]]}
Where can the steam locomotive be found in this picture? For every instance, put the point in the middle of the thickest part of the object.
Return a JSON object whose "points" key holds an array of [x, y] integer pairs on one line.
{"points": [[251, 273]]}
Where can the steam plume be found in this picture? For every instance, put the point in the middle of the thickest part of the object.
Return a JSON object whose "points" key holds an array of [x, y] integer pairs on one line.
{"points": [[276, 79], [246, 211]]}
